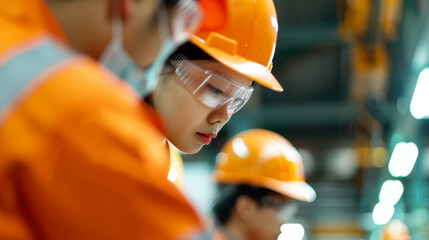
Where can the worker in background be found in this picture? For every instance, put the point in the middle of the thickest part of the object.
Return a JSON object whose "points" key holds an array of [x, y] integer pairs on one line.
{"points": [[79, 151], [212, 77], [259, 174]]}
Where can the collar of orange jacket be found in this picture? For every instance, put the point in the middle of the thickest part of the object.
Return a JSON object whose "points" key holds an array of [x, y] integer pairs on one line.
{"points": [[24, 19]]}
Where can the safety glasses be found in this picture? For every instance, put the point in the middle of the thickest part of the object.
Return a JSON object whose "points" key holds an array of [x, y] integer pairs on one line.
{"points": [[209, 87], [276, 203], [285, 207]]}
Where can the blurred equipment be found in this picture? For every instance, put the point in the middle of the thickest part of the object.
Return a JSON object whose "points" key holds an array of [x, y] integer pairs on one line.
{"points": [[395, 230]]}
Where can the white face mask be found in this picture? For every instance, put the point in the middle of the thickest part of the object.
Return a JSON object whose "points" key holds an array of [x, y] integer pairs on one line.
{"points": [[117, 60]]}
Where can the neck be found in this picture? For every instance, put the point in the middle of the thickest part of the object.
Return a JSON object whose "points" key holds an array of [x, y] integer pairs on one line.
{"points": [[235, 229]]}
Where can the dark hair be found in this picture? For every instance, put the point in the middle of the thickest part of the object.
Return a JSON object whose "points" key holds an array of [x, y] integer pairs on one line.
{"points": [[171, 2], [227, 197], [192, 52]]}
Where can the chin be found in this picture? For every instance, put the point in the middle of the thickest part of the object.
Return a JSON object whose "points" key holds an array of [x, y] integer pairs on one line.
{"points": [[192, 149]]}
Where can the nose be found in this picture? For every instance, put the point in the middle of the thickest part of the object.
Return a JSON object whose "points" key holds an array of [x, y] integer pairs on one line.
{"points": [[219, 115]]}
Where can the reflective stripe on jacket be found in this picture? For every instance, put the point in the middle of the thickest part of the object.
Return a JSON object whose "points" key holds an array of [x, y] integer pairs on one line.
{"points": [[79, 152]]}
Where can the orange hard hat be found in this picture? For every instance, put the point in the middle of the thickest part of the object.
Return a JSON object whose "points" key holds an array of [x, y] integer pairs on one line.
{"points": [[245, 41], [263, 158], [396, 230]]}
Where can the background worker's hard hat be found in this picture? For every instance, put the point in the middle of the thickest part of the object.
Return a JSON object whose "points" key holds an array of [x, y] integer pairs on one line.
{"points": [[245, 41], [263, 158]]}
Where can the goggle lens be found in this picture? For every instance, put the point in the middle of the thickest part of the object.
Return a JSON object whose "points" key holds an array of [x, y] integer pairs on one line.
{"points": [[210, 88]]}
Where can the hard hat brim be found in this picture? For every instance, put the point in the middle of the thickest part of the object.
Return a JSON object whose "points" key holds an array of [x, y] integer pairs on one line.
{"points": [[250, 69], [298, 190]]}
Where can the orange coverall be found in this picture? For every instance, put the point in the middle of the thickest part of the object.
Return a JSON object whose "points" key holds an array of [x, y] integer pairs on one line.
{"points": [[80, 154]]}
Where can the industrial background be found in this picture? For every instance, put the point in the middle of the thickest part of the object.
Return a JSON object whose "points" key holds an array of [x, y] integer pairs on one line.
{"points": [[350, 70]]}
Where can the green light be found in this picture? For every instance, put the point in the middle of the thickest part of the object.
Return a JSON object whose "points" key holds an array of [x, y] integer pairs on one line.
{"points": [[403, 158], [419, 106]]}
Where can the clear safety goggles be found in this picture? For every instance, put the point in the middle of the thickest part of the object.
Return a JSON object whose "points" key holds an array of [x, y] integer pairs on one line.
{"points": [[209, 87], [285, 208], [187, 15]]}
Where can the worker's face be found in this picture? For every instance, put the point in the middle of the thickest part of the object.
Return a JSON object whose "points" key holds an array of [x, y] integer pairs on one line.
{"points": [[140, 29], [189, 123], [144, 36], [150, 23], [267, 219]]}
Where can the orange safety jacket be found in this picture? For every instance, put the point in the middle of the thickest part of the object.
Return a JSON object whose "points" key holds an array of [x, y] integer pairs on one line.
{"points": [[80, 154]]}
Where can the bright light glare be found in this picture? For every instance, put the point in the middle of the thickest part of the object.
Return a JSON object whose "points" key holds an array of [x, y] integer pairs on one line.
{"points": [[382, 213], [291, 231], [403, 158], [172, 174], [274, 23], [391, 192], [240, 148], [419, 107]]}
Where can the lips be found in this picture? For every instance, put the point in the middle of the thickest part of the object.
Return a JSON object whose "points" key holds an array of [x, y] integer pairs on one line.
{"points": [[206, 138]]}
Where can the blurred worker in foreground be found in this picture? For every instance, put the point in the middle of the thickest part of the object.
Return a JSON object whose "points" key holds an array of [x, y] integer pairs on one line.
{"points": [[213, 76], [79, 151], [395, 230], [259, 174]]}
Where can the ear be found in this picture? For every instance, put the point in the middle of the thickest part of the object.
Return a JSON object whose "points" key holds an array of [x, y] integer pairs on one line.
{"points": [[245, 208]]}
